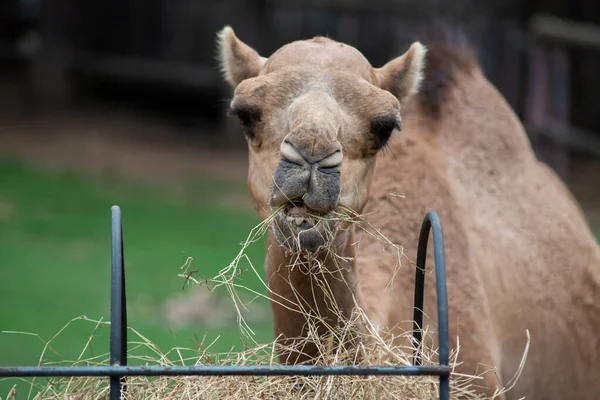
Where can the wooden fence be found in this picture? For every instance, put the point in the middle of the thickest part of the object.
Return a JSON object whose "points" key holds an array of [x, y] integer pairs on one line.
{"points": [[548, 90]]}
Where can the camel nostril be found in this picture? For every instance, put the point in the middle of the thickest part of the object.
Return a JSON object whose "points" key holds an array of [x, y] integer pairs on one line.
{"points": [[331, 161], [291, 154], [301, 156]]}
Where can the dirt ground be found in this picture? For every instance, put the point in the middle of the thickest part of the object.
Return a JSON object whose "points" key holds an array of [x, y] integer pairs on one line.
{"points": [[110, 140]]}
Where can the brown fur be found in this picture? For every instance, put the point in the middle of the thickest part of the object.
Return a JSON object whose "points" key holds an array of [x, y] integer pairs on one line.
{"points": [[449, 53], [519, 253]]}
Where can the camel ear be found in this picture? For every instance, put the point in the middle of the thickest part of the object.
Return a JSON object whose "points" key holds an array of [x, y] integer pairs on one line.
{"points": [[238, 60], [402, 76]]}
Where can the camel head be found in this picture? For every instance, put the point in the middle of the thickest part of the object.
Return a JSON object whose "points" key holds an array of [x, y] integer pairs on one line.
{"points": [[315, 114]]}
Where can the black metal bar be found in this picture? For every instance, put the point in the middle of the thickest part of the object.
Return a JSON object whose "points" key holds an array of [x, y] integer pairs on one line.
{"points": [[118, 305], [233, 370], [419, 294], [431, 222]]}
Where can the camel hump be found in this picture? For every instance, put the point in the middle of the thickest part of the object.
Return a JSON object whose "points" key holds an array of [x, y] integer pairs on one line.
{"points": [[449, 53]]}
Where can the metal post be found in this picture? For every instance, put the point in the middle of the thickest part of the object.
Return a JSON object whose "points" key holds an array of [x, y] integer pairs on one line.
{"points": [[432, 222], [118, 310], [559, 104], [536, 99]]}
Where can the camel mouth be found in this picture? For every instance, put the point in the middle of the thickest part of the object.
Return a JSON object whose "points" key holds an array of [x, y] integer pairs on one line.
{"points": [[298, 227], [299, 216]]}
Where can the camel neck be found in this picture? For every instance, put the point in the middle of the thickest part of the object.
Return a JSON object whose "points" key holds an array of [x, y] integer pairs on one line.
{"points": [[324, 286]]}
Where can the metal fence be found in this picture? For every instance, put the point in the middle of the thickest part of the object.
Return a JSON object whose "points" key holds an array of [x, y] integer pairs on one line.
{"points": [[118, 370]]}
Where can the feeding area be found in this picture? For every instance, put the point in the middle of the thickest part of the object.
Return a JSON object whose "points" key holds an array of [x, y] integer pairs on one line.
{"points": [[353, 342]]}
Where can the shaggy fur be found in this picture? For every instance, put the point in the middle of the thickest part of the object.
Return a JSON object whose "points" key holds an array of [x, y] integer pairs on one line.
{"points": [[450, 54], [519, 253]]}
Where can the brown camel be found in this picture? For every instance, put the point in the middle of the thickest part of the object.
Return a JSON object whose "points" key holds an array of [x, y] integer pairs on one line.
{"points": [[316, 116]]}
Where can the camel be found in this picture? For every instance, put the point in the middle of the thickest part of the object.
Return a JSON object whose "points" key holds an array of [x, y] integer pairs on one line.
{"points": [[325, 130]]}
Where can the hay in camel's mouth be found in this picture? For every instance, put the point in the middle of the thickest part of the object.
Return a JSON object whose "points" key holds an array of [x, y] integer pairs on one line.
{"points": [[299, 216], [299, 228]]}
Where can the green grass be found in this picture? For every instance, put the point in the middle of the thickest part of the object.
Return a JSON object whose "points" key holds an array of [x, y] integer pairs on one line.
{"points": [[55, 257]]}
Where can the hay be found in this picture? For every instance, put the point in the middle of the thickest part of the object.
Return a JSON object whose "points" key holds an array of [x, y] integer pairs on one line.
{"points": [[334, 387], [352, 341]]}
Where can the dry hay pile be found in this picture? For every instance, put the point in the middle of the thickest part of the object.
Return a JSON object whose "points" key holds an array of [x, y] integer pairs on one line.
{"points": [[356, 342]]}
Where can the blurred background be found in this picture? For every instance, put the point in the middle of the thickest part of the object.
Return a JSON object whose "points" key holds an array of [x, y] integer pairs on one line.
{"points": [[120, 102]]}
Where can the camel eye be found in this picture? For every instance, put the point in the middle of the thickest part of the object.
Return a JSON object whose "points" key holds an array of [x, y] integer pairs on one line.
{"points": [[248, 117], [382, 128]]}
